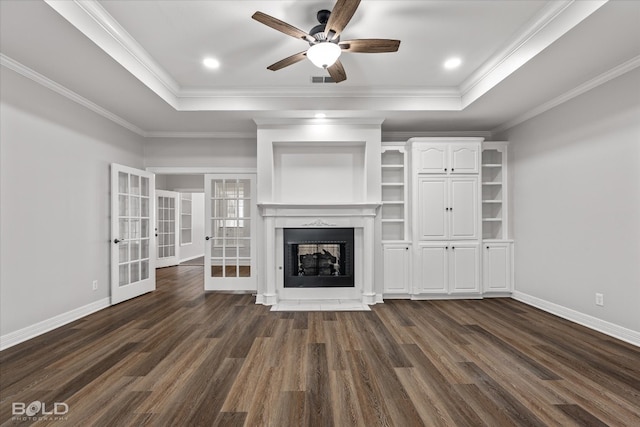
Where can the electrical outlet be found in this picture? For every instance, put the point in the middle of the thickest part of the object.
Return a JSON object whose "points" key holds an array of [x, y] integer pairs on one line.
{"points": [[600, 299], [95, 285]]}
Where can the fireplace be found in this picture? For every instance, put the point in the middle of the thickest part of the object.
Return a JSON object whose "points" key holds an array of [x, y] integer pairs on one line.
{"points": [[318, 258]]}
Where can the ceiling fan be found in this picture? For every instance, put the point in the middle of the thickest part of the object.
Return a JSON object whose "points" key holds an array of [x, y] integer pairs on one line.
{"points": [[324, 39]]}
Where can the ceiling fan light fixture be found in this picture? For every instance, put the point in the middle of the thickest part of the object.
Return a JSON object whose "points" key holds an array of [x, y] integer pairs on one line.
{"points": [[324, 54]]}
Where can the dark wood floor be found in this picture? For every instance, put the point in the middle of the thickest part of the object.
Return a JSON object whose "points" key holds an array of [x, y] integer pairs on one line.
{"points": [[178, 357]]}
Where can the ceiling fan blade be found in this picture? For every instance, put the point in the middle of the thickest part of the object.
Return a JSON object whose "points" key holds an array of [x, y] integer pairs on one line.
{"points": [[340, 16], [337, 73], [282, 26], [288, 61], [370, 45]]}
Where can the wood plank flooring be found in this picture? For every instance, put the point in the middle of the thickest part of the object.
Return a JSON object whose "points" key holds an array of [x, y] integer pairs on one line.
{"points": [[180, 357]]}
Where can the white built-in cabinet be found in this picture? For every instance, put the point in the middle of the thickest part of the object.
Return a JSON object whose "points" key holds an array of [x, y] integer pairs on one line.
{"points": [[496, 267], [396, 248], [447, 208], [444, 219], [497, 252], [448, 268], [396, 265], [447, 158]]}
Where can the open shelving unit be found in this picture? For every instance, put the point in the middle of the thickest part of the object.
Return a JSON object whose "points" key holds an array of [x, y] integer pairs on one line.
{"points": [[186, 224], [494, 207], [394, 193]]}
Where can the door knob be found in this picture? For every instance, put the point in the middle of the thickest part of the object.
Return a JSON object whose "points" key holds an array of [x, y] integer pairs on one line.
{"points": [[116, 241], [207, 238]]}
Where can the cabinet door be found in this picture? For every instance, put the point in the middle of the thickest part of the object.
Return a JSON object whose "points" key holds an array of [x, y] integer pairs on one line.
{"points": [[464, 268], [433, 270], [497, 267], [463, 208], [465, 158], [396, 269], [432, 201], [433, 158]]}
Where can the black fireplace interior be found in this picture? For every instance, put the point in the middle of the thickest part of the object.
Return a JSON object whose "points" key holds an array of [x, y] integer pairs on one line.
{"points": [[318, 257]]}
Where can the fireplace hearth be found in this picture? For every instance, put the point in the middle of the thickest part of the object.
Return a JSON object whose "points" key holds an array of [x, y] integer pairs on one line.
{"points": [[318, 257]]}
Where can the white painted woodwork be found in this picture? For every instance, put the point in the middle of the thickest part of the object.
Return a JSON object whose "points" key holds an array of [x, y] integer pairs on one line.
{"points": [[496, 267], [464, 267], [447, 268], [463, 208], [167, 228], [448, 208], [395, 194], [230, 238], [464, 158], [446, 155], [133, 258], [433, 269], [397, 276], [495, 192], [432, 158], [433, 214], [298, 186]]}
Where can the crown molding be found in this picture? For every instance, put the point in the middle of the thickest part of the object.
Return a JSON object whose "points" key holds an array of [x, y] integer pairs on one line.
{"points": [[27, 72], [99, 26], [555, 20], [201, 135], [611, 74], [403, 136]]}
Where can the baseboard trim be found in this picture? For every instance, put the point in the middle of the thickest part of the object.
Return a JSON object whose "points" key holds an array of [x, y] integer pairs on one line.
{"points": [[190, 258], [24, 334], [607, 328]]}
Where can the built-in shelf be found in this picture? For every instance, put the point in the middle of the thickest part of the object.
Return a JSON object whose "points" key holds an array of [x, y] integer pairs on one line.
{"points": [[394, 192], [494, 159], [186, 235]]}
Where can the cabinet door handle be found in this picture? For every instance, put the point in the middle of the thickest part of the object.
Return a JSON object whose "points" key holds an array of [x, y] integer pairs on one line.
{"points": [[451, 208], [446, 248], [452, 169], [453, 248], [446, 209], [445, 169], [406, 249], [487, 247]]}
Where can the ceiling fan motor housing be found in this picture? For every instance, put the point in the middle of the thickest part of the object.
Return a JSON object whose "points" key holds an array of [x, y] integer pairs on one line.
{"points": [[317, 32]]}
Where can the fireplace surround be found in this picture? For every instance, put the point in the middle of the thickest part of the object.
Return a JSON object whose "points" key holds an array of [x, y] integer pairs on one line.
{"points": [[318, 175]]}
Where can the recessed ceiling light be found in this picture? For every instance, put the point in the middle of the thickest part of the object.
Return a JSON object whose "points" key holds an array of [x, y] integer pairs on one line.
{"points": [[320, 116], [452, 63], [211, 63]]}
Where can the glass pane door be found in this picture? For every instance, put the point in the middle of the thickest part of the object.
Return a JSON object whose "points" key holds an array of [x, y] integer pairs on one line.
{"points": [[230, 221], [132, 261]]}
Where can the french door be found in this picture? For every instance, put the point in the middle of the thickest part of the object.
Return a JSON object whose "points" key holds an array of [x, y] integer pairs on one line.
{"points": [[132, 240], [167, 226], [230, 250]]}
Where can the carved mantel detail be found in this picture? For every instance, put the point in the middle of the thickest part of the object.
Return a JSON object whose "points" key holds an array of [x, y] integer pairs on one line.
{"points": [[318, 223]]}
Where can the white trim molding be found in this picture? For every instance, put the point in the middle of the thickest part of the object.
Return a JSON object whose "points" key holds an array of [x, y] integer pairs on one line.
{"points": [[611, 74], [24, 334], [27, 72], [607, 328]]}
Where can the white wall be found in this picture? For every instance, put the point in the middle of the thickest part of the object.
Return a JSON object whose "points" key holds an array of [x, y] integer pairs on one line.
{"points": [[196, 248], [576, 203], [54, 222]]}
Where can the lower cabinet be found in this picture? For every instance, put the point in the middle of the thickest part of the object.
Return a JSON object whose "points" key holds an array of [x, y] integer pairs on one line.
{"points": [[448, 268], [397, 271], [496, 268]]}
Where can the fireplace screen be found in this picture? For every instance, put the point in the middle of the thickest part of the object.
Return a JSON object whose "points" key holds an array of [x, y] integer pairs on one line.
{"points": [[318, 257]]}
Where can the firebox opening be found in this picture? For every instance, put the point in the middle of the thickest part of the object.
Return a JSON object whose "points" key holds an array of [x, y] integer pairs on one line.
{"points": [[318, 257]]}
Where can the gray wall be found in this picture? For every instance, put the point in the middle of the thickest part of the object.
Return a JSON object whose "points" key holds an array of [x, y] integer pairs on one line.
{"points": [[54, 201], [576, 202], [194, 152]]}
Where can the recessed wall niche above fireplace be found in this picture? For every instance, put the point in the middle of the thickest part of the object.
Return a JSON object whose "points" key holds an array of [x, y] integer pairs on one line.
{"points": [[318, 258]]}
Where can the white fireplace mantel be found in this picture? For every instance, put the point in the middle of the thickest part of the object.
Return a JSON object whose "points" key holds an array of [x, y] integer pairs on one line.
{"points": [[318, 174]]}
